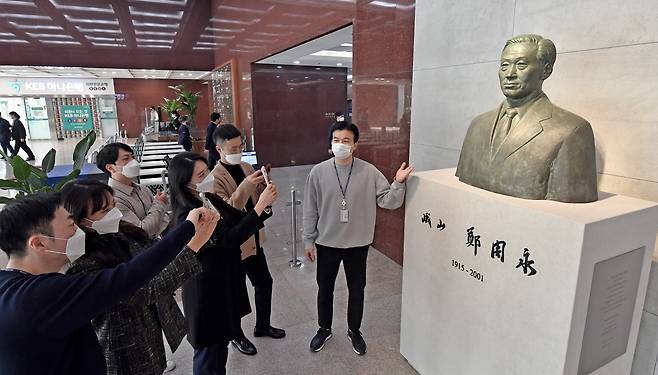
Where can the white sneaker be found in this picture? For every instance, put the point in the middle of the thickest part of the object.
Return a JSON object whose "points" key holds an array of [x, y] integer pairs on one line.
{"points": [[171, 366]]}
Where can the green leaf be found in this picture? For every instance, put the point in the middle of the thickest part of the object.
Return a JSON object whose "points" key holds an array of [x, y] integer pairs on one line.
{"points": [[48, 162], [5, 200], [11, 184], [37, 172], [71, 176], [34, 183], [22, 169], [81, 150]]}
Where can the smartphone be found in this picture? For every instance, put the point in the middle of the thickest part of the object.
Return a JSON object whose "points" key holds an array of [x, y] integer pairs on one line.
{"points": [[263, 170]]}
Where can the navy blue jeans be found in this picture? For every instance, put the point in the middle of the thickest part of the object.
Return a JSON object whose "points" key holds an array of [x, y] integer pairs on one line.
{"points": [[211, 360]]}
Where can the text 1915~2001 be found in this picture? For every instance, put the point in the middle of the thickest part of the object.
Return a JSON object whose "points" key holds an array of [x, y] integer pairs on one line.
{"points": [[471, 272]]}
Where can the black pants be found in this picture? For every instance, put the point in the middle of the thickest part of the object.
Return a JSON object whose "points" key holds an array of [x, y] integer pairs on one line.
{"points": [[354, 262], [18, 145], [7, 146], [211, 360], [261, 279]]}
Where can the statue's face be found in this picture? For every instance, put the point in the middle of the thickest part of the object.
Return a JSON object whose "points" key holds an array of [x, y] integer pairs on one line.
{"points": [[521, 73]]}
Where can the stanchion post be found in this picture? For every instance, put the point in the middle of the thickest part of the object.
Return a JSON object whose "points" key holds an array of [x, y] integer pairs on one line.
{"points": [[294, 262]]}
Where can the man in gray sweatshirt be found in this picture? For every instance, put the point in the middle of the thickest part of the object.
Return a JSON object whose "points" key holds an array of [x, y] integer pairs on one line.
{"points": [[340, 203]]}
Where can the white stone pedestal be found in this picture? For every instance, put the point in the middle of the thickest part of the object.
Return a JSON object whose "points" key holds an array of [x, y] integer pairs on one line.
{"points": [[580, 312]]}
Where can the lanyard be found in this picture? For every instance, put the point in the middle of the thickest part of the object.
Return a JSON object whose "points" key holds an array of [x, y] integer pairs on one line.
{"points": [[343, 191]]}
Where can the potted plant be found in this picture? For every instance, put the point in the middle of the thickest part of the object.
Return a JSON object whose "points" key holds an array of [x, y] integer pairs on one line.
{"points": [[30, 179]]}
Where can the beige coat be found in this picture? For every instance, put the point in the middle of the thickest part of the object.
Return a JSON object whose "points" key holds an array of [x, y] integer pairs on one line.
{"points": [[237, 197]]}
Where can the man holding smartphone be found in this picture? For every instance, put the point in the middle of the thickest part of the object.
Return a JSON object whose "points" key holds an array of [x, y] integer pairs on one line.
{"points": [[238, 184]]}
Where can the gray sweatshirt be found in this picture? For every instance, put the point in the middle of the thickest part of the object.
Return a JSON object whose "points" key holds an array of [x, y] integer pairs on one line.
{"points": [[367, 189]]}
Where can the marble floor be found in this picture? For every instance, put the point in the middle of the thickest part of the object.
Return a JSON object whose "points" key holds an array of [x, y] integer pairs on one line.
{"points": [[294, 308]]}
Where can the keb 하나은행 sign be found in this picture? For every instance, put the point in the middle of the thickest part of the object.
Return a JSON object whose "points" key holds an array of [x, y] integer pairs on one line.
{"points": [[76, 117]]}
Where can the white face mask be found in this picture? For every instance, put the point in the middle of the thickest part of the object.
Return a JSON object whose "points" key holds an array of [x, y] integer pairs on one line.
{"points": [[233, 159], [206, 186], [75, 245], [109, 223], [130, 170], [341, 151]]}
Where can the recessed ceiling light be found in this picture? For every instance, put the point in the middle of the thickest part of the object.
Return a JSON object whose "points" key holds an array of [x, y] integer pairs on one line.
{"points": [[94, 21], [25, 16], [114, 72], [317, 68], [279, 67], [296, 62], [306, 77], [346, 44], [328, 53]]}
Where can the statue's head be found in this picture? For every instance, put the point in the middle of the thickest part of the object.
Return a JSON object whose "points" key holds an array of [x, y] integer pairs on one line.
{"points": [[526, 61]]}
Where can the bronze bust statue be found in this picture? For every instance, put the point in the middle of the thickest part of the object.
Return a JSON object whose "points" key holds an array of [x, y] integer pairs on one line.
{"points": [[528, 147]]}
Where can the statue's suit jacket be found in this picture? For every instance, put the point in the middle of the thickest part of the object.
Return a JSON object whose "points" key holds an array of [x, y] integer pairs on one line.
{"points": [[548, 154]]}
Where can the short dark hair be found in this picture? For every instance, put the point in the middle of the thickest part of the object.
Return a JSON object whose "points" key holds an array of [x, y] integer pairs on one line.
{"points": [[109, 154], [225, 132], [80, 196], [12, 113], [344, 125], [215, 116], [24, 217]]}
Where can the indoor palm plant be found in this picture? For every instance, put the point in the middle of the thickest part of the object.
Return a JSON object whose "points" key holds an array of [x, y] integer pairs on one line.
{"points": [[30, 179]]}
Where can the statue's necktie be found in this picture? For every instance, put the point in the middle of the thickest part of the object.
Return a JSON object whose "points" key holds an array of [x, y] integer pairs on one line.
{"points": [[502, 129]]}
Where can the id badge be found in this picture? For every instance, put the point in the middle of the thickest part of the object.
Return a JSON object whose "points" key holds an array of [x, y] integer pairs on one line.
{"points": [[344, 216]]}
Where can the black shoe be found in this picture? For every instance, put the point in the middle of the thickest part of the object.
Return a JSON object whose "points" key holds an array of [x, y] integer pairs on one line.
{"points": [[30, 159], [358, 344], [272, 332], [321, 338], [244, 346]]}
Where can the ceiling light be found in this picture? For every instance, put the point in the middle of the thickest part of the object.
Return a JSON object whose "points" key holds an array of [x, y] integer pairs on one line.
{"points": [[349, 77], [296, 62], [104, 38], [171, 2], [25, 16], [203, 48], [317, 68], [25, 3], [384, 4], [87, 20], [279, 67], [60, 42], [61, 36], [346, 44], [155, 40], [160, 25], [152, 46], [114, 72], [109, 31], [101, 44], [237, 22], [83, 9], [13, 41], [103, 72], [210, 44], [159, 33], [245, 10], [328, 53], [306, 77], [176, 15], [36, 27], [219, 30], [339, 64]]}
